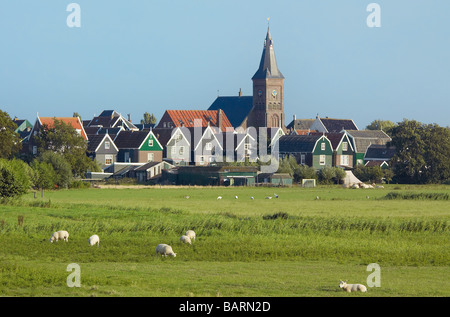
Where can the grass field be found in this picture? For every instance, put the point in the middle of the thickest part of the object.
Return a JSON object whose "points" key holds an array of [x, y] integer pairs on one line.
{"points": [[295, 245]]}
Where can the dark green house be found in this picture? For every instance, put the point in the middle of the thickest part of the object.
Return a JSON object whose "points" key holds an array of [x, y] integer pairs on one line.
{"points": [[312, 150]]}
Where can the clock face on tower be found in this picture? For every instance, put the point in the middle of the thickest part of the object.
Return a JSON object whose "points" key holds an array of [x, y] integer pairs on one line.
{"points": [[260, 92], [274, 93]]}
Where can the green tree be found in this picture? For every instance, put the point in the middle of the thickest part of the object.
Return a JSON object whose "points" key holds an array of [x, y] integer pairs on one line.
{"points": [[384, 125], [15, 178], [388, 174], [304, 172], [148, 118], [339, 175], [326, 175], [46, 177], [76, 115], [62, 169], [63, 139], [10, 143], [422, 152]]}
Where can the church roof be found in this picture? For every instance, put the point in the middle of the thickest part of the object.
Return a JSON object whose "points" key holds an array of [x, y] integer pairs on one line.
{"points": [[268, 65], [236, 108]]}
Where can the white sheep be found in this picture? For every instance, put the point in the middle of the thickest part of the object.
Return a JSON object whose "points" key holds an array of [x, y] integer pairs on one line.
{"points": [[276, 196], [164, 250], [268, 197], [94, 240], [252, 197], [236, 197], [220, 197], [185, 239], [190, 234], [352, 287], [59, 235]]}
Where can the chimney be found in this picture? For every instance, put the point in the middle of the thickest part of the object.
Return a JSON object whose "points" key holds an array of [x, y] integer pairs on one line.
{"points": [[219, 119], [295, 117], [129, 117], [240, 92]]}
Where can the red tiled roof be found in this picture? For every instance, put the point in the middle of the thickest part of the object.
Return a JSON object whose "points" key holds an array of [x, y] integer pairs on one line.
{"points": [[187, 117], [73, 121]]}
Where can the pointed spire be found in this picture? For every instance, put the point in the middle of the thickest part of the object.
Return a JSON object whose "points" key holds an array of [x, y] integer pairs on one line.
{"points": [[268, 65]]}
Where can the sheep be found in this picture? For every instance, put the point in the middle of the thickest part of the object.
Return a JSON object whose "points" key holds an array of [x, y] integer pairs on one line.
{"points": [[236, 197], [317, 198], [276, 196], [94, 240], [220, 197], [187, 197], [268, 197], [164, 250], [352, 287], [60, 235], [252, 197], [190, 234], [185, 239]]}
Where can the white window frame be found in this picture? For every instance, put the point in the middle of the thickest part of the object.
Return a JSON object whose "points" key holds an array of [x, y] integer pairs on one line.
{"points": [[150, 157], [322, 159], [345, 160], [150, 142], [322, 146], [208, 146], [181, 150], [107, 145], [344, 146], [108, 157]]}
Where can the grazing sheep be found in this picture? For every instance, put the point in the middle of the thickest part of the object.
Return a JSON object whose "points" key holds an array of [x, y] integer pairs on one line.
{"points": [[190, 234], [276, 196], [164, 250], [317, 197], [185, 239], [60, 235], [252, 197], [94, 240], [187, 197], [220, 197], [236, 197], [268, 197], [352, 287]]}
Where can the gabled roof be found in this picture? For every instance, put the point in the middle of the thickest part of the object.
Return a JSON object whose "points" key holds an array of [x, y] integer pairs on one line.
{"points": [[268, 65], [236, 108], [96, 140], [337, 125], [131, 139], [163, 135], [334, 137], [111, 119], [73, 121], [379, 152], [301, 124], [298, 143], [187, 118], [362, 139]]}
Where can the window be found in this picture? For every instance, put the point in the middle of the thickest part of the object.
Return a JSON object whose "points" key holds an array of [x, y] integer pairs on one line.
{"points": [[322, 159], [345, 160], [150, 142], [34, 149], [173, 150], [107, 145], [181, 151], [202, 159], [322, 146], [208, 146], [344, 146], [108, 159], [150, 157], [302, 159]]}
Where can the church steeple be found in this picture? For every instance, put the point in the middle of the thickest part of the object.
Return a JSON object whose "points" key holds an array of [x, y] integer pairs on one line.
{"points": [[268, 90], [268, 65]]}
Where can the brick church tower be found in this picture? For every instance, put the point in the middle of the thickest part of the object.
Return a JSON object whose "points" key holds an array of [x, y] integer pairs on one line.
{"points": [[268, 91]]}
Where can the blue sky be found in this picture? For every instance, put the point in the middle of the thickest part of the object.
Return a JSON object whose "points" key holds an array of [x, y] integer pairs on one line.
{"points": [[138, 56]]}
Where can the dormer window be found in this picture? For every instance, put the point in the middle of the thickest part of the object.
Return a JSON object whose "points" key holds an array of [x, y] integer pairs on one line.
{"points": [[150, 142]]}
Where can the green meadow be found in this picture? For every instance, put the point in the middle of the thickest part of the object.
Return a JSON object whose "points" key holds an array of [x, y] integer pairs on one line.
{"points": [[299, 244]]}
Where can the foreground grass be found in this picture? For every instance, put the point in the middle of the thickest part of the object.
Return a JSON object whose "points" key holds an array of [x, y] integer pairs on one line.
{"points": [[242, 249]]}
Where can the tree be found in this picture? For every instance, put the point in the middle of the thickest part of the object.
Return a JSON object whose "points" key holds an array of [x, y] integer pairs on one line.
{"points": [[76, 115], [63, 139], [46, 177], [422, 152], [148, 119], [326, 175], [304, 172], [15, 178], [62, 171], [384, 125], [339, 174], [10, 143]]}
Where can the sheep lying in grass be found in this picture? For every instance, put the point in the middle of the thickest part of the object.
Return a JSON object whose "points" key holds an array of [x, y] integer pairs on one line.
{"points": [[185, 239], [190, 234], [94, 240], [352, 287], [60, 235], [220, 197], [164, 250]]}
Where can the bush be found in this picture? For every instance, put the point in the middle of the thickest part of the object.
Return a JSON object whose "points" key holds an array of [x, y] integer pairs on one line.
{"points": [[60, 166], [326, 175], [15, 178], [46, 177]]}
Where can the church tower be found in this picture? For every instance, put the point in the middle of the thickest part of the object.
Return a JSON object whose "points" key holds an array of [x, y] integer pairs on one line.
{"points": [[268, 91]]}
